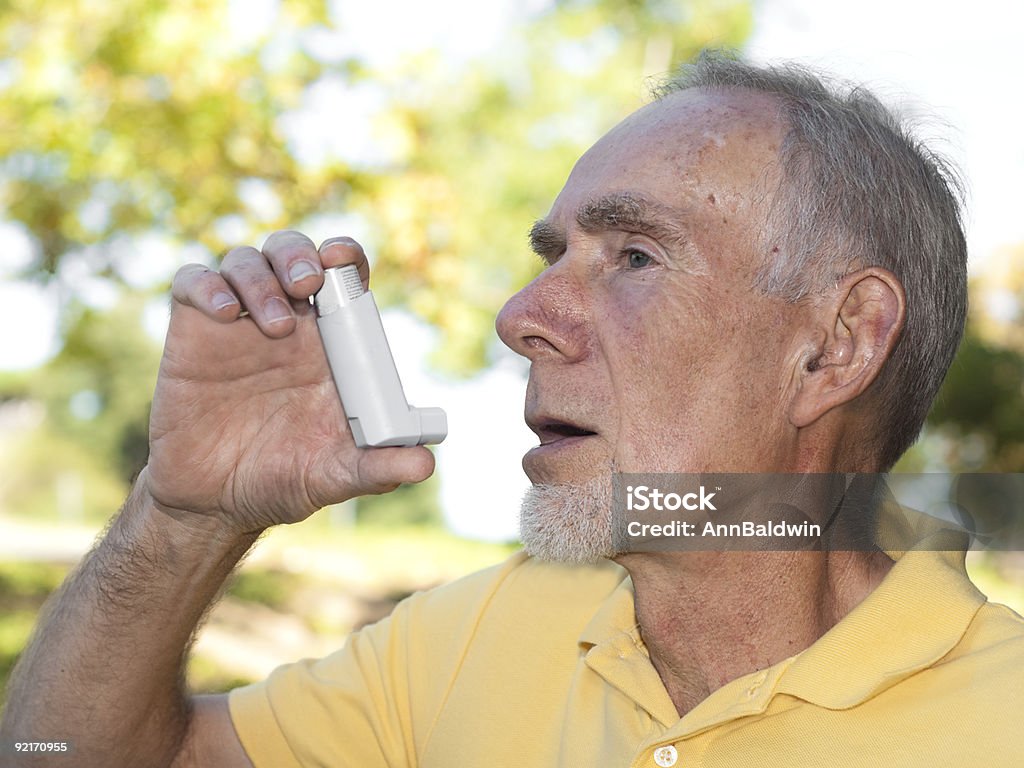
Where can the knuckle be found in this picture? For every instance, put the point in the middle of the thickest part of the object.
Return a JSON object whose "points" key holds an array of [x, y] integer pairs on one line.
{"points": [[287, 237], [209, 281], [186, 278], [188, 271], [254, 281], [240, 256]]}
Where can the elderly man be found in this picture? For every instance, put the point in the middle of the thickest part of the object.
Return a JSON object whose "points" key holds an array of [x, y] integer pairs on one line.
{"points": [[752, 273]]}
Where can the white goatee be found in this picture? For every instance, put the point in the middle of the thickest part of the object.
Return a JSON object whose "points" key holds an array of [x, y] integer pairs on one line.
{"points": [[568, 523]]}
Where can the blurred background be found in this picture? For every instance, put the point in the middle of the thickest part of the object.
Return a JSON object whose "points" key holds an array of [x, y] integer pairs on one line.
{"points": [[136, 136]]}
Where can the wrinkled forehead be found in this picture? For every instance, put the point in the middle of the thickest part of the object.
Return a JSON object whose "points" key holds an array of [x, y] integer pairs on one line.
{"points": [[689, 145]]}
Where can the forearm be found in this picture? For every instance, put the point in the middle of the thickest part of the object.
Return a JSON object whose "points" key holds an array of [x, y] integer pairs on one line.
{"points": [[104, 670]]}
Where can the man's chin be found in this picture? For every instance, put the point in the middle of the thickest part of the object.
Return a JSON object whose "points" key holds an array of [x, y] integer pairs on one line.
{"points": [[568, 523]]}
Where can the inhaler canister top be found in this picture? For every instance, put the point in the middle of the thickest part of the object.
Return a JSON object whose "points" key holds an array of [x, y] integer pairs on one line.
{"points": [[341, 286]]}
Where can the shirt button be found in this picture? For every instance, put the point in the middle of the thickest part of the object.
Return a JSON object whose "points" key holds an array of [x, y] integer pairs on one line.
{"points": [[666, 756]]}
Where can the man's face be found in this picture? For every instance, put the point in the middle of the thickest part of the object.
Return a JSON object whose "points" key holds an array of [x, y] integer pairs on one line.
{"points": [[649, 348]]}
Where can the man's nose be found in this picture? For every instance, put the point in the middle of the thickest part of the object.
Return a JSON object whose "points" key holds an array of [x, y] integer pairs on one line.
{"points": [[546, 318]]}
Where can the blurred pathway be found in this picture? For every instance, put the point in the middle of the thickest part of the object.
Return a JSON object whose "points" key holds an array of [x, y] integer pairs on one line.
{"points": [[44, 542]]}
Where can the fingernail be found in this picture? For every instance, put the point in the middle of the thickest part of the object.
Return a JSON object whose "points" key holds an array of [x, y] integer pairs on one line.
{"points": [[344, 240], [276, 310], [300, 270], [223, 300]]}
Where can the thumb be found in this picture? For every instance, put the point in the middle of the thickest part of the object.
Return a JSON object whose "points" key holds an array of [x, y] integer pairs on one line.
{"points": [[380, 470]]}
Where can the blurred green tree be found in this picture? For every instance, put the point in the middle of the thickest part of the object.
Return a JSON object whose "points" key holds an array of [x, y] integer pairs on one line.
{"points": [[142, 115], [145, 126], [139, 116], [95, 396], [977, 423]]}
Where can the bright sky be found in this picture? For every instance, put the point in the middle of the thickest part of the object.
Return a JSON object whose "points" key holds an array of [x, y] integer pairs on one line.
{"points": [[959, 68], [958, 63]]}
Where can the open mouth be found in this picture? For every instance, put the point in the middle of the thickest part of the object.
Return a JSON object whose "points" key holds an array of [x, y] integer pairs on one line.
{"points": [[553, 431]]}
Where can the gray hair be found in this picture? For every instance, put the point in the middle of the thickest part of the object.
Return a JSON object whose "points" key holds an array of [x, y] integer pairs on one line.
{"points": [[859, 190]]}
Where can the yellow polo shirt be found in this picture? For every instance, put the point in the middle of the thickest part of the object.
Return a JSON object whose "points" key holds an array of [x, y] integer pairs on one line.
{"points": [[533, 664]]}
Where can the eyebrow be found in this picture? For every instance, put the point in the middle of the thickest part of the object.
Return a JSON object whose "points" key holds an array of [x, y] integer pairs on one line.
{"points": [[624, 211], [547, 241]]}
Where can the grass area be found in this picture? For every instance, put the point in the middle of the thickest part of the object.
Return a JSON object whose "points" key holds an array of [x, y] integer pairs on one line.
{"points": [[377, 554], [271, 587], [26, 583], [207, 676], [23, 589]]}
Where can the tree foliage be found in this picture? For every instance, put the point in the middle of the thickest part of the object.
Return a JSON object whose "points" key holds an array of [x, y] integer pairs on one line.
{"points": [[145, 125], [978, 420], [139, 115]]}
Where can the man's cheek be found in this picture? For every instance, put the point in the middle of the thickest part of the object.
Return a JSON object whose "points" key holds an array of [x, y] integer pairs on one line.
{"points": [[656, 441]]}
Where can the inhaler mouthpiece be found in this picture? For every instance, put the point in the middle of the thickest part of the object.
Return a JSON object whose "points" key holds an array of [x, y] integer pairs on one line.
{"points": [[364, 370]]}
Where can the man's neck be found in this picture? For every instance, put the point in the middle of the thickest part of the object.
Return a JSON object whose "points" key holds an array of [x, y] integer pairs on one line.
{"points": [[710, 617]]}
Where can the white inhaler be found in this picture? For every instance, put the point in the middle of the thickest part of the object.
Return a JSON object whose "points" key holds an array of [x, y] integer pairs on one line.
{"points": [[364, 370]]}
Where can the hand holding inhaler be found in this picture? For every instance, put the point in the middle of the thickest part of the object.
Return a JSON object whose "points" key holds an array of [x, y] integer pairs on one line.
{"points": [[364, 370]]}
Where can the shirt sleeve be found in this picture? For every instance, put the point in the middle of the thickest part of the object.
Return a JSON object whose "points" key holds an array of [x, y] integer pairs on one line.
{"points": [[374, 702], [348, 709]]}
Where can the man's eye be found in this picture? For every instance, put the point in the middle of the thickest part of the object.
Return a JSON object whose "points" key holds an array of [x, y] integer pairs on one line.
{"points": [[638, 259]]}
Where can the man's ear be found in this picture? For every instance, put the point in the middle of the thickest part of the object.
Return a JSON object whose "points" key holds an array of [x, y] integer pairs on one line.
{"points": [[857, 328]]}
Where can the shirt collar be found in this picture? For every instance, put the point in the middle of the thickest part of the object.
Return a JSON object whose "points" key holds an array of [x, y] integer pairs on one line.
{"points": [[612, 647], [913, 618], [916, 615], [613, 617]]}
